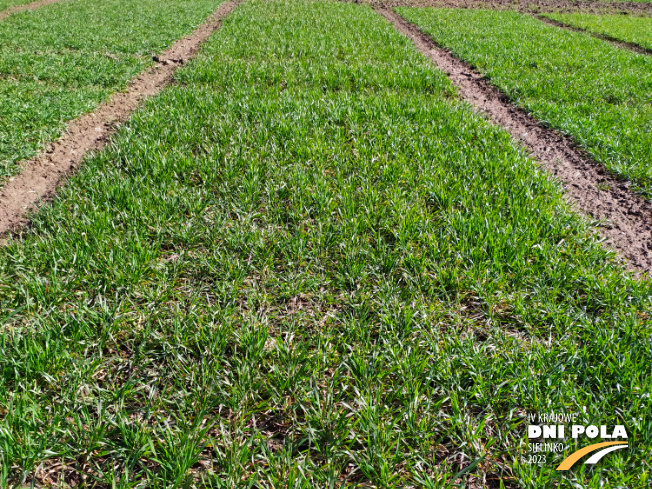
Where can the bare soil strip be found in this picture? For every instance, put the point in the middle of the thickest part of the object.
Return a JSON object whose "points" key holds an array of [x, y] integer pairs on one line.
{"points": [[45, 172], [525, 6], [21, 8], [589, 187], [621, 44]]}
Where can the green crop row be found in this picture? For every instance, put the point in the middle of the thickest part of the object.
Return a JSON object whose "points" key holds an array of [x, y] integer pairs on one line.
{"points": [[62, 60], [308, 264], [636, 30], [592, 90]]}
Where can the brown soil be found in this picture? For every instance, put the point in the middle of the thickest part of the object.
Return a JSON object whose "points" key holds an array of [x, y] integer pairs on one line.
{"points": [[621, 44], [43, 173], [589, 187], [528, 6], [30, 6]]}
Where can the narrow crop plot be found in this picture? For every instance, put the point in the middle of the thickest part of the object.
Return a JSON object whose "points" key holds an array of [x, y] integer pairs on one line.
{"points": [[308, 264], [5, 4], [588, 88], [61, 60], [636, 30]]}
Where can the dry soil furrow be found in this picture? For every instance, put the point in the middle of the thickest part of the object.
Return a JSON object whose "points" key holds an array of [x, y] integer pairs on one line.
{"points": [[43, 173], [589, 187], [526, 6], [621, 44], [29, 6]]}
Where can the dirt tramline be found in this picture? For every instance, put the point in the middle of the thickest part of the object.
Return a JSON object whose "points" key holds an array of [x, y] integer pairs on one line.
{"points": [[525, 6], [26, 6], [618, 42], [45, 172]]}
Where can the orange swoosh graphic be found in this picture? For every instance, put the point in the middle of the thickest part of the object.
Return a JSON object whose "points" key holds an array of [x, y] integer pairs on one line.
{"points": [[575, 456]]}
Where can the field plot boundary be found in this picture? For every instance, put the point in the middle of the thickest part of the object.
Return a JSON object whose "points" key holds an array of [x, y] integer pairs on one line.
{"points": [[632, 46], [523, 6], [588, 185], [46, 171], [28, 6]]}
